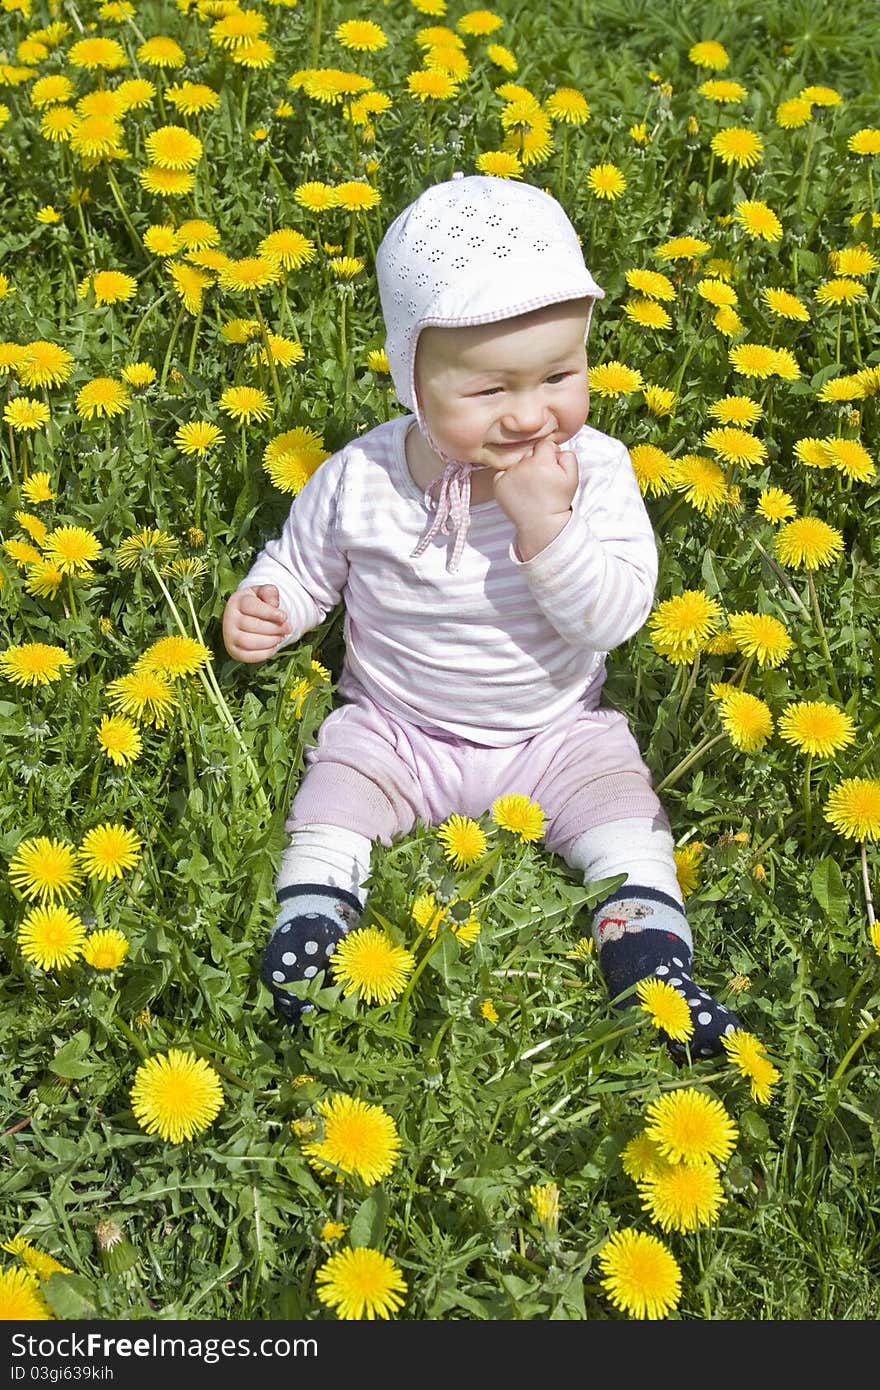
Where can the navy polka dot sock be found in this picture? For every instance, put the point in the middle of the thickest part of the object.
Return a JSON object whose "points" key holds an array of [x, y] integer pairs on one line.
{"points": [[312, 919], [641, 932]]}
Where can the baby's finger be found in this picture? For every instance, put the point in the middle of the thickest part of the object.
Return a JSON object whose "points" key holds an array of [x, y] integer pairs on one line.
{"points": [[268, 628], [255, 607]]}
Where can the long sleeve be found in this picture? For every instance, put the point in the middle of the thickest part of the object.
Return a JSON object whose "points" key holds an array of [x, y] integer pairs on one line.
{"points": [[595, 582], [306, 563]]}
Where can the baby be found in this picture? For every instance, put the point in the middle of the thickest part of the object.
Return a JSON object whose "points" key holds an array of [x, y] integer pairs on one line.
{"points": [[476, 637]]}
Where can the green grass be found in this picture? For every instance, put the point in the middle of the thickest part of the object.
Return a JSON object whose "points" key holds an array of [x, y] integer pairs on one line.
{"points": [[229, 1225]]}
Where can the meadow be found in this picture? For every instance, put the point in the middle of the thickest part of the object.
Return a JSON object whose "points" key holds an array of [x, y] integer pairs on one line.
{"points": [[464, 1129]]}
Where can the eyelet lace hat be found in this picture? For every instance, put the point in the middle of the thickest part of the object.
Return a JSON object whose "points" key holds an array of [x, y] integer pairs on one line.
{"points": [[472, 250]]}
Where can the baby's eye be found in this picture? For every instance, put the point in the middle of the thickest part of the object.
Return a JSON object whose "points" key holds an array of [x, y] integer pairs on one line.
{"points": [[556, 378], [490, 391]]}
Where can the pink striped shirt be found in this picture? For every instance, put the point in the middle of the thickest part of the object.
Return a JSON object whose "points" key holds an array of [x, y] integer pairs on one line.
{"points": [[497, 650]]}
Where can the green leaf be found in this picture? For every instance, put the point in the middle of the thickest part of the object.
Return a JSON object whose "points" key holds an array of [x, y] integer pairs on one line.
{"points": [[71, 1297], [369, 1220], [829, 890], [67, 1060]]}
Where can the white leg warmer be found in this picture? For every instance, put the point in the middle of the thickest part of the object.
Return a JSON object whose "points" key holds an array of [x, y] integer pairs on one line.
{"points": [[328, 855], [639, 848]]}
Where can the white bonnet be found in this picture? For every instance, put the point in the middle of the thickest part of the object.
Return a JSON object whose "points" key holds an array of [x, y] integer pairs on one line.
{"points": [[473, 250]]}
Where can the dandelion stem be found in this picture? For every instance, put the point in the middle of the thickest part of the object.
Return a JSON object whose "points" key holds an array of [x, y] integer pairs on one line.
{"points": [[687, 763], [806, 169], [270, 358], [316, 32], [212, 688], [166, 365], [853, 1049], [120, 203], [808, 804], [823, 636], [71, 597], [195, 337], [866, 883]]}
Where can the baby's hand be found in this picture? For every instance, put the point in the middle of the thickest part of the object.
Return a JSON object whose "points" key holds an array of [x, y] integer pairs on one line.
{"points": [[254, 625], [541, 486]]}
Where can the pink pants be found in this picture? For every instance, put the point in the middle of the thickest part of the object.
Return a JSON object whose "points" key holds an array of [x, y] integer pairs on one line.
{"points": [[378, 775]]}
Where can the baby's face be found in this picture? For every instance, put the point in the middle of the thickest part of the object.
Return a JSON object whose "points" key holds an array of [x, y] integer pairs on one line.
{"points": [[488, 394]]}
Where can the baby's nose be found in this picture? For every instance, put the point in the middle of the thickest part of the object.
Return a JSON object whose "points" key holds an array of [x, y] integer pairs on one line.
{"points": [[526, 415]]}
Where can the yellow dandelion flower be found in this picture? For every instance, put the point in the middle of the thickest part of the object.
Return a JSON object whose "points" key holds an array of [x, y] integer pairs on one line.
{"points": [[463, 841], [615, 379], [108, 850], [315, 196], [737, 145], [683, 1197], [793, 113], [736, 410], [654, 469], [746, 1053], [361, 1283], [650, 283], [51, 936], [519, 815], [45, 868], [118, 737], [688, 863], [431, 85], [842, 290], [641, 1277], [665, 1007], [23, 413], [647, 314], [606, 181], [192, 98], [544, 1198], [722, 91], [367, 963], [287, 248], [746, 720], [488, 1011], [167, 183], [105, 949], [291, 458], [682, 248], [358, 1139], [102, 398], [851, 458], [139, 374], [97, 54], [708, 53], [703, 483], [174, 147], [34, 663], [689, 1126], [659, 400], [176, 1095], [45, 364], [808, 543], [816, 728], [21, 1298], [853, 808], [477, 23], [684, 622], [502, 164], [37, 488], [821, 96], [775, 505], [246, 403], [735, 445], [762, 636], [758, 220], [143, 694], [641, 1157], [785, 305], [865, 141], [174, 656], [197, 437], [160, 51]]}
